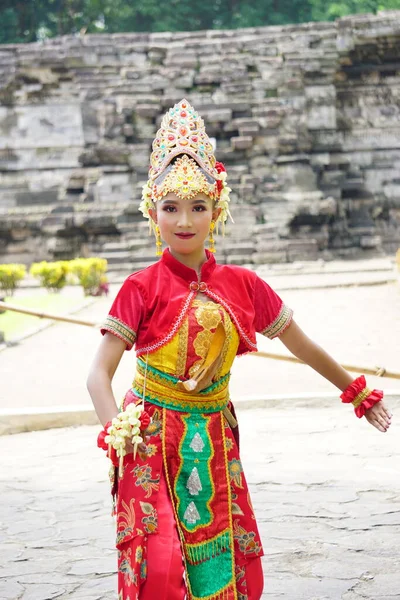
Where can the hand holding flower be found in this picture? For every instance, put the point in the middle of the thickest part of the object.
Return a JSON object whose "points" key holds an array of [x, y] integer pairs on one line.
{"points": [[124, 433]]}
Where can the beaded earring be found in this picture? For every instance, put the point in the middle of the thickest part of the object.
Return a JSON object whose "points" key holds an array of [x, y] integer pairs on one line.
{"points": [[211, 241], [158, 241]]}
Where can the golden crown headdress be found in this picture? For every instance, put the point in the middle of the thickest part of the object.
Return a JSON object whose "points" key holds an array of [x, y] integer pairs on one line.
{"points": [[182, 132]]}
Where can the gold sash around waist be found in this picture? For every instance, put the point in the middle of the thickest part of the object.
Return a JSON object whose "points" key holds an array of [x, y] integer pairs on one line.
{"points": [[167, 391]]}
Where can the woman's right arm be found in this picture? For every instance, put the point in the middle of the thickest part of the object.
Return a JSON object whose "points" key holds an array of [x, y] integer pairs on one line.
{"points": [[101, 375]]}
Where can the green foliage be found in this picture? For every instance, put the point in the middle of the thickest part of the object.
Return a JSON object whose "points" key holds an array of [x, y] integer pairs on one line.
{"points": [[91, 274], [31, 20], [10, 276], [328, 11], [52, 275], [267, 12]]}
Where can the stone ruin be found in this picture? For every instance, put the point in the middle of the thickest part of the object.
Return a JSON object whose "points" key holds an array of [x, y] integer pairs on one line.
{"points": [[305, 117]]}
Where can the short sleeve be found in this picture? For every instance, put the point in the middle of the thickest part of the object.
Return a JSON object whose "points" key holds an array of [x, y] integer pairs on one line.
{"points": [[126, 314], [273, 316]]}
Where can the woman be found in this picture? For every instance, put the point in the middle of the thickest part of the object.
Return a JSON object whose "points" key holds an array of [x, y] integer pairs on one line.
{"points": [[185, 524]]}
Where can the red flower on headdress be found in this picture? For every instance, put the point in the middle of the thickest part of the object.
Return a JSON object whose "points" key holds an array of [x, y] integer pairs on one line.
{"points": [[220, 168]]}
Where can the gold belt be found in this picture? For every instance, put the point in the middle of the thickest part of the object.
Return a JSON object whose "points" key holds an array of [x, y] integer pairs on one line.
{"points": [[167, 391]]}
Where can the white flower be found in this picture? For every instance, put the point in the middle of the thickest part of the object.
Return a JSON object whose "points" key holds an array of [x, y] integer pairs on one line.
{"points": [[125, 426], [146, 202], [222, 176]]}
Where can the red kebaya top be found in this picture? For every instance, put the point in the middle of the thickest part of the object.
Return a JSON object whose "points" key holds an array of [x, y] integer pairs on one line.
{"points": [[152, 303]]}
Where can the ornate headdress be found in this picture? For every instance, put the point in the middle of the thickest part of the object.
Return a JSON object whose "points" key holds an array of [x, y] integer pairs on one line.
{"points": [[182, 134]]}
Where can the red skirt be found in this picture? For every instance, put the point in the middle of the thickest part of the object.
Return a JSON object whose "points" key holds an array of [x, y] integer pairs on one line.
{"points": [[150, 555], [165, 571]]}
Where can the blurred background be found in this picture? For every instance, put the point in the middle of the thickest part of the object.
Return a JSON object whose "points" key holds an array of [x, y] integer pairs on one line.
{"points": [[305, 116], [302, 99]]}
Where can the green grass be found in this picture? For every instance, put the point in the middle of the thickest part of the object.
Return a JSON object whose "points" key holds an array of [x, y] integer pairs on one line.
{"points": [[14, 324]]}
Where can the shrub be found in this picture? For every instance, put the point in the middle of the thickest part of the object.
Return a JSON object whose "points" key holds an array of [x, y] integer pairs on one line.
{"points": [[91, 275], [52, 275], [10, 276]]}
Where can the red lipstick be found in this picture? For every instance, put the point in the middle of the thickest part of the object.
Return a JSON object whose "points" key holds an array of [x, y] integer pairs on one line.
{"points": [[185, 236]]}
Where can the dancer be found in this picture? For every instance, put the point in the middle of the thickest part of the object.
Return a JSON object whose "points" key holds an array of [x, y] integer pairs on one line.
{"points": [[185, 523]]}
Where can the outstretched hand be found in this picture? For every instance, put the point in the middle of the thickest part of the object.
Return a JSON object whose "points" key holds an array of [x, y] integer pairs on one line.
{"points": [[379, 416]]}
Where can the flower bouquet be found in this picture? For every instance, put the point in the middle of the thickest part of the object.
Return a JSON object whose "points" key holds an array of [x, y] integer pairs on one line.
{"points": [[127, 425]]}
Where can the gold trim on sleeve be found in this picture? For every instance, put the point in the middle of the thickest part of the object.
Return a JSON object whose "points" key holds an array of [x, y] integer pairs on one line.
{"points": [[120, 329], [281, 322]]}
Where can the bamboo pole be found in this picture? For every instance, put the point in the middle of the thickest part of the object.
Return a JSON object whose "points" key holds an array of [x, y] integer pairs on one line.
{"points": [[378, 371], [42, 315]]}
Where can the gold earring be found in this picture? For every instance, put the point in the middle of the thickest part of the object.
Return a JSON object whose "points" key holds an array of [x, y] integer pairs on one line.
{"points": [[158, 241], [211, 241]]}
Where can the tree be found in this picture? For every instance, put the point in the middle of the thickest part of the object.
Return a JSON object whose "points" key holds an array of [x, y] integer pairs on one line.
{"points": [[31, 20], [328, 11], [17, 22]]}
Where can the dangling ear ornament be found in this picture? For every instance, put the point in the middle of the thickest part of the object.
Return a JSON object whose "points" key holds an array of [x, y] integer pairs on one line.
{"points": [[211, 240], [158, 241]]}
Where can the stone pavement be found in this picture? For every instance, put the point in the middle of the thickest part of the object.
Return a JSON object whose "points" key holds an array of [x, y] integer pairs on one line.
{"points": [[325, 486]]}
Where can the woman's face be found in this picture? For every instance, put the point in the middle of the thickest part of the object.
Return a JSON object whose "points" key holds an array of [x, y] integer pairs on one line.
{"points": [[184, 224]]}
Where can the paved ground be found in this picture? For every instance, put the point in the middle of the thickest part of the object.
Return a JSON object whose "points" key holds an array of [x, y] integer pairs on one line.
{"points": [[325, 485]]}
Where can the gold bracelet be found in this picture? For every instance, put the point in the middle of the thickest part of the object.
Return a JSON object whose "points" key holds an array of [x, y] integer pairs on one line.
{"points": [[359, 399]]}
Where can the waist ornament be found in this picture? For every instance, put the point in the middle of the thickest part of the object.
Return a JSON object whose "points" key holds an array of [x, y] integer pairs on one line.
{"points": [[167, 391]]}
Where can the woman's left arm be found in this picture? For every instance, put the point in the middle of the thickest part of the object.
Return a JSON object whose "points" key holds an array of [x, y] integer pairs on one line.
{"points": [[299, 344]]}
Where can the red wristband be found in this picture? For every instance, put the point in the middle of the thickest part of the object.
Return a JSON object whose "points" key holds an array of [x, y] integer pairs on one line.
{"points": [[361, 396], [101, 437]]}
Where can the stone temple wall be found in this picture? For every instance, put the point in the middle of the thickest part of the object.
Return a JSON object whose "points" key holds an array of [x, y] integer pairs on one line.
{"points": [[306, 119]]}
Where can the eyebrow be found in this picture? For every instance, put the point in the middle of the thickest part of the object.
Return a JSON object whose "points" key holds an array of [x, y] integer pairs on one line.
{"points": [[166, 201], [197, 201]]}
